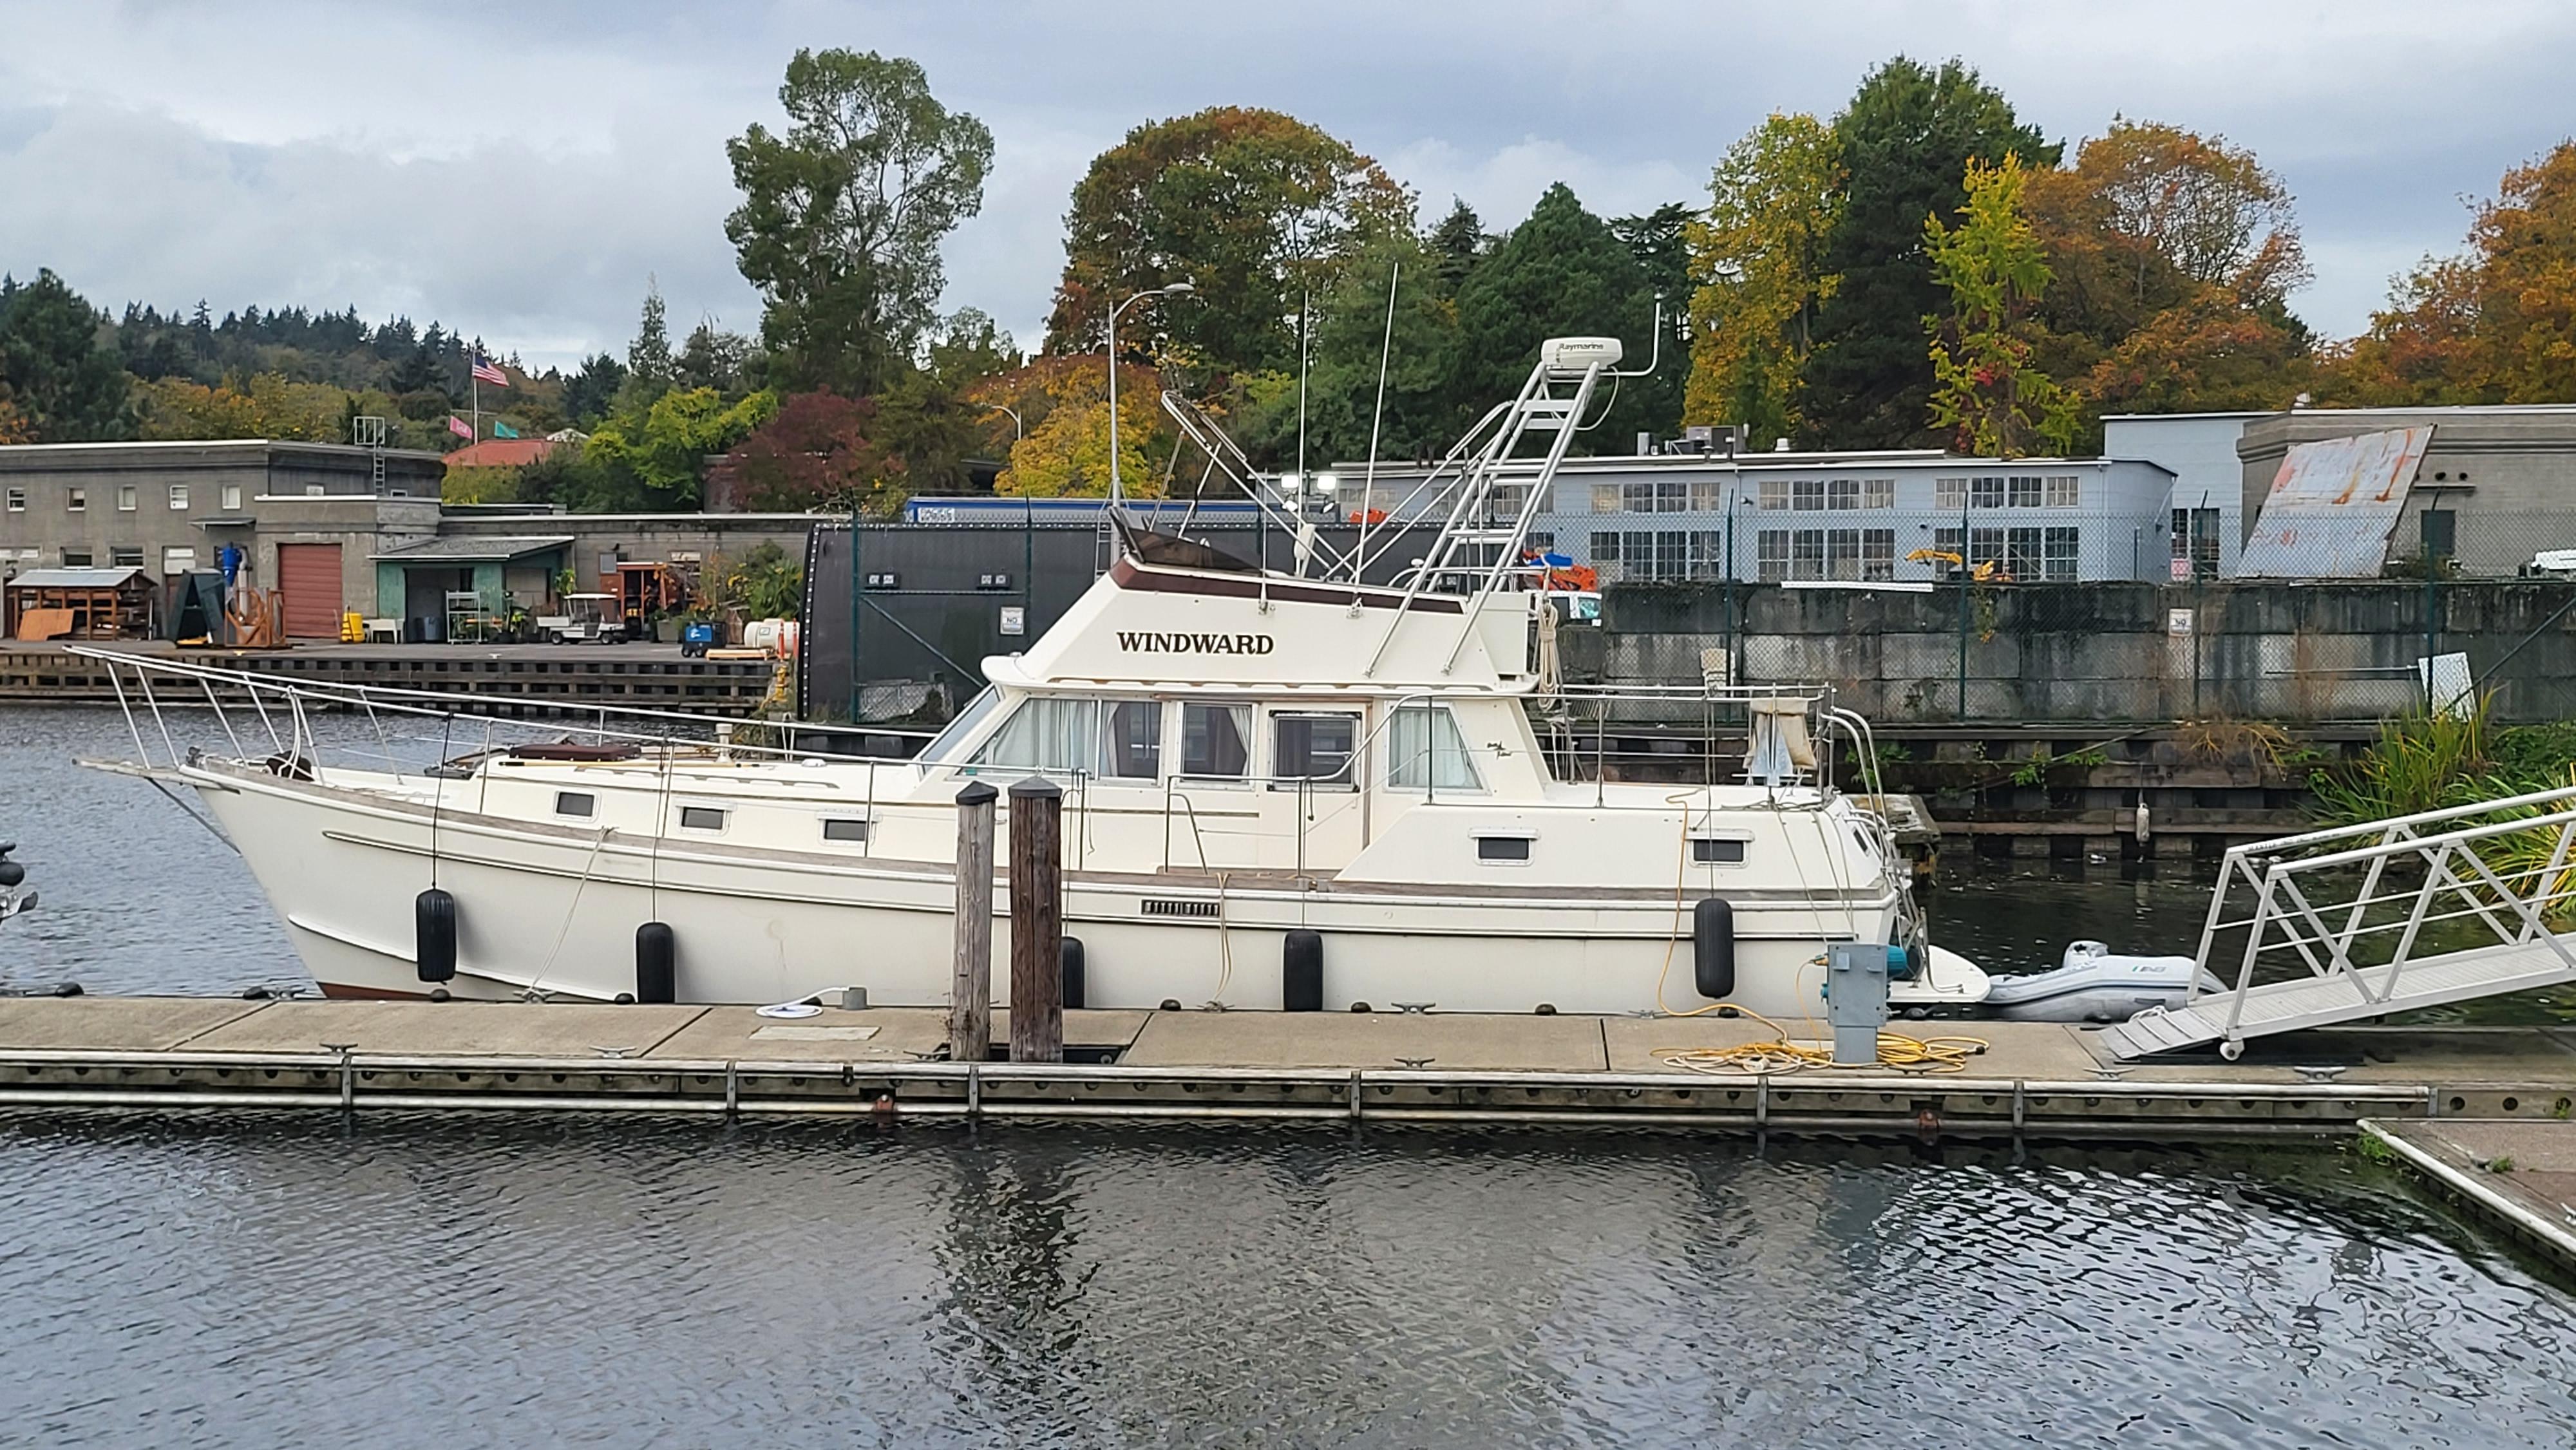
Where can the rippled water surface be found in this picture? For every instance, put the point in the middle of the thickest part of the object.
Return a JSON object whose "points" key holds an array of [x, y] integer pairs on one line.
{"points": [[448, 1282]]}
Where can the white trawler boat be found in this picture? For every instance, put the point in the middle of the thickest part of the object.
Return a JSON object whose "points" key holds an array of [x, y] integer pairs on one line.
{"points": [[1244, 754]]}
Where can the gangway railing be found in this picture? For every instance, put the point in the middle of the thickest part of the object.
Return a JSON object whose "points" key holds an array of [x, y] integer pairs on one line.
{"points": [[2356, 922]]}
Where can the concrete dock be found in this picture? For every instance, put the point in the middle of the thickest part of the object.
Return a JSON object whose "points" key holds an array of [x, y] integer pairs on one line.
{"points": [[2042, 1080], [2519, 1173]]}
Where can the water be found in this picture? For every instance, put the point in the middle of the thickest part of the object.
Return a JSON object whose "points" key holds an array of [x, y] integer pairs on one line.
{"points": [[239, 1281]]}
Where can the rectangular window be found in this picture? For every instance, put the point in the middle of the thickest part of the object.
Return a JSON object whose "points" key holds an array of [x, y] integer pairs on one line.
{"points": [[1707, 495], [1809, 493], [1605, 498], [1771, 555], [1502, 848], [1605, 558], [178, 495], [1636, 556], [1878, 555], [1949, 495], [1842, 493], [1638, 497], [1709, 852], [2022, 490], [1672, 554], [2195, 537], [851, 829], [1047, 732], [177, 560], [1707, 554], [231, 497], [1542, 540], [1775, 493], [2059, 551], [17, 500], [1986, 546], [1216, 740], [1986, 491], [1842, 554], [1807, 554], [701, 818], [125, 498], [1315, 748], [125, 556], [1672, 495], [1947, 541], [1878, 493], [76, 500], [2065, 490], [1132, 747], [76, 558], [576, 803], [2021, 554], [1424, 749]]}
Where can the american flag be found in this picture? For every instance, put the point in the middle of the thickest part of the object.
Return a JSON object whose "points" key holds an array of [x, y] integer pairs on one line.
{"points": [[488, 371]]}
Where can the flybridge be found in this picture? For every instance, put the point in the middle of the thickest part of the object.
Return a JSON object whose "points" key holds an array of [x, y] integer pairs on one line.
{"points": [[1151, 642]]}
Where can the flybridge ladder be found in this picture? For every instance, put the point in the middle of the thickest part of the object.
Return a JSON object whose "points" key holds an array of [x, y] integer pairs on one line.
{"points": [[1471, 541], [2390, 916]]}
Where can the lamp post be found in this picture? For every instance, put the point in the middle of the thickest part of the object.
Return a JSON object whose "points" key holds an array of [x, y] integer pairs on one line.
{"points": [[1028, 510], [1117, 493]]}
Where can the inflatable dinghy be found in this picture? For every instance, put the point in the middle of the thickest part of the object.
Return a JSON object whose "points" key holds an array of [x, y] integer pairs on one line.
{"points": [[2091, 984]]}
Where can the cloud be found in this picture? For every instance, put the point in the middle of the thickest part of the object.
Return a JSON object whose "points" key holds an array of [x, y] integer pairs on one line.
{"points": [[518, 170]]}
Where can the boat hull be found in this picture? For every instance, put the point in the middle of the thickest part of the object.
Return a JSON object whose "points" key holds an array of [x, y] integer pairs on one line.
{"points": [[555, 910]]}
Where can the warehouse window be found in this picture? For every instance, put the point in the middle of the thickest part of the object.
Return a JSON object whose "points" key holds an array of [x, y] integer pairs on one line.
{"points": [[125, 498], [232, 496], [1878, 493], [1807, 554], [2021, 554], [2059, 554], [1986, 491], [1842, 554], [1775, 493], [1809, 493], [1842, 493], [2065, 490], [178, 495], [1707, 554], [1605, 557], [126, 556], [1771, 555], [1605, 498], [76, 500], [1707, 495], [77, 558], [17, 500], [1878, 555], [1950, 494], [2024, 490]]}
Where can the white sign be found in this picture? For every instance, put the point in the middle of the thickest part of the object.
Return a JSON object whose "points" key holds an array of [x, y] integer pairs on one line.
{"points": [[2177, 621], [1015, 619]]}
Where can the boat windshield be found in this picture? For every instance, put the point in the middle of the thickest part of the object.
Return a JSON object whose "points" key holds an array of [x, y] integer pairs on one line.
{"points": [[941, 748]]}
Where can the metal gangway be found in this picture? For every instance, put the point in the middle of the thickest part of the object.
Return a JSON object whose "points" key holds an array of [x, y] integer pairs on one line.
{"points": [[2359, 922]]}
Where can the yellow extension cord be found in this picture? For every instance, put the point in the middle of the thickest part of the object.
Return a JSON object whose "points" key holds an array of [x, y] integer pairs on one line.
{"points": [[1780, 1055]]}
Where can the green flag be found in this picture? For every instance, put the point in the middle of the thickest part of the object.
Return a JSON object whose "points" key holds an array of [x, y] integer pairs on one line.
{"points": [[504, 430]]}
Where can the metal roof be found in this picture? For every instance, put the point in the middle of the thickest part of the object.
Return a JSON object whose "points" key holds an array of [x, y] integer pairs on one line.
{"points": [[467, 549], [75, 578]]}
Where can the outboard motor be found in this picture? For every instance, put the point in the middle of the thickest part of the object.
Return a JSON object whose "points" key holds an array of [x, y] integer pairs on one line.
{"points": [[12, 876]]}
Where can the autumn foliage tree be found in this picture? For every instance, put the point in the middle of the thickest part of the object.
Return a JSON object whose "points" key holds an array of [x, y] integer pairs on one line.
{"points": [[2496, 324], [1987, 389], [817, 454], [1063, 404], [1757, 255], [1254, 208]]}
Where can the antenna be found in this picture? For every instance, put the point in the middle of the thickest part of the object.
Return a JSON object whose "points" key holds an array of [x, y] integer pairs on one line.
{"points": [[1368, 488]]}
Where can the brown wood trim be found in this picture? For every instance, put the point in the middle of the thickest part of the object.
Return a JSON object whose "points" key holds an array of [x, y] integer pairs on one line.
{"points": [[344, 992], [1129, 575]]}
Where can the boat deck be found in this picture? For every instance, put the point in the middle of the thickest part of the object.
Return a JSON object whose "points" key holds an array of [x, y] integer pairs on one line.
{"points": [[2040, 1079]]}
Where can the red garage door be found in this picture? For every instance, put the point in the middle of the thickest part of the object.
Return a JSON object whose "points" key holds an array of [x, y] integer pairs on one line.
{"points": [[310, 576]]}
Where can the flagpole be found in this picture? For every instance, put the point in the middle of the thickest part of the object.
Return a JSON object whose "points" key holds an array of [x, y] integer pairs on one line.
{"points": [[473, 361]]}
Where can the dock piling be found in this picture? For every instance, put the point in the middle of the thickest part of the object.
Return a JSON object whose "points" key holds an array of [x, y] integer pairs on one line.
{"points": [[970, 1001], [1037, 921]]}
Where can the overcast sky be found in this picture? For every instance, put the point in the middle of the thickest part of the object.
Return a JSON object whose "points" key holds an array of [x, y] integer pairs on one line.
{"points": [[517, 170]]}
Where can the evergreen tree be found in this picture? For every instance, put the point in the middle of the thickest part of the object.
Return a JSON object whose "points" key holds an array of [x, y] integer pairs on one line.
{"points": [[593, 391], [648, 358], [1905, 143], [56, 372], [1458, 243], [1562, 273]]}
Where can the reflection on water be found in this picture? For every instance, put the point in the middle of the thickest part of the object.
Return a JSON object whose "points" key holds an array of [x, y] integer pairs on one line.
{"points": [[443, 1282]]}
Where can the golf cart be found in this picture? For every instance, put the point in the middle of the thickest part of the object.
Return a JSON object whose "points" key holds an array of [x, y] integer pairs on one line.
{"points": [[587, 619]]}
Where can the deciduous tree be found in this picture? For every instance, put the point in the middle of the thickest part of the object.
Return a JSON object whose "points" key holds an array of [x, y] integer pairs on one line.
{"points": [[1759, 257], [842, 216], [817, 453], [1254, 208], [1987, 392], [1064, 402]]}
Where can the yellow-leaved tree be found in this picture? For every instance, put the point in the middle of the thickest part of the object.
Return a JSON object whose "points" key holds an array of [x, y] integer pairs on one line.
{"points": [[1987, 388]]}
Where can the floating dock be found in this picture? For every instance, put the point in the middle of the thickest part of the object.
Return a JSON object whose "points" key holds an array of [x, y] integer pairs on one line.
{"points": [[2522, 1175], [2035, 1079]]}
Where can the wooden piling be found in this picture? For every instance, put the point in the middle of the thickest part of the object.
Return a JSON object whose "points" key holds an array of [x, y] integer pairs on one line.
{"points": [[970, 1000], [1037, 921]]}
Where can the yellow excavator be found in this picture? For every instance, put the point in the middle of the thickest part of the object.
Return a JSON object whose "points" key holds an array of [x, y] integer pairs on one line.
{"points": [[1988, 572]]}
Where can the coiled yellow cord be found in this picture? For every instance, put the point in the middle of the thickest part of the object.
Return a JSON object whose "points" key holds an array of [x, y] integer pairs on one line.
{"points": [[1779, 1055]]}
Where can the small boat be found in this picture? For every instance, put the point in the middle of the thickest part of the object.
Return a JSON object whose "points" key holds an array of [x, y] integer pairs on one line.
{"points": [[2091, 983]]}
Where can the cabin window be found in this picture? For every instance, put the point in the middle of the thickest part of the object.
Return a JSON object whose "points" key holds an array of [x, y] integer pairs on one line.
{"points": [[1425, 750], [1313, 748], [576, 803], [1713, 852], [852, 829], [1216, 740], [1131, 747], [1047, 732], [945, 745], [701, 818], [1502, 848]]}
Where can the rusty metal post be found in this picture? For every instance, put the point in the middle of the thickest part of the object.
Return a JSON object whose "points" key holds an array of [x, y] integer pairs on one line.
{"points": [[970, 999], [1037, 921]]}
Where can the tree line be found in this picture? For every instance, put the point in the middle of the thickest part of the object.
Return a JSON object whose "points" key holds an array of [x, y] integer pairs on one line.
{"points": [[1921, 268]]}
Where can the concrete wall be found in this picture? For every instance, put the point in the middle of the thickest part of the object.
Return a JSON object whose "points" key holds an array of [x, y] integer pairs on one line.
{"points": [[2110, 652]]}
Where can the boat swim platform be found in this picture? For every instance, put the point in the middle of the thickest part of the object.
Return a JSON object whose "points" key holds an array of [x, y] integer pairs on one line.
{"points": [[2044, 1080]]}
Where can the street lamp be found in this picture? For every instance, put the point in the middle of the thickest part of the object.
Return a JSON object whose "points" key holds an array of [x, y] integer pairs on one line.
{"points": [[1117, 494], [1019, 430]]}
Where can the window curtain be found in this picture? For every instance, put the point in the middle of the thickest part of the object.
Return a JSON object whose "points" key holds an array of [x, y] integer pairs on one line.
{"points": [[1425, 750], [1047, 733]]}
